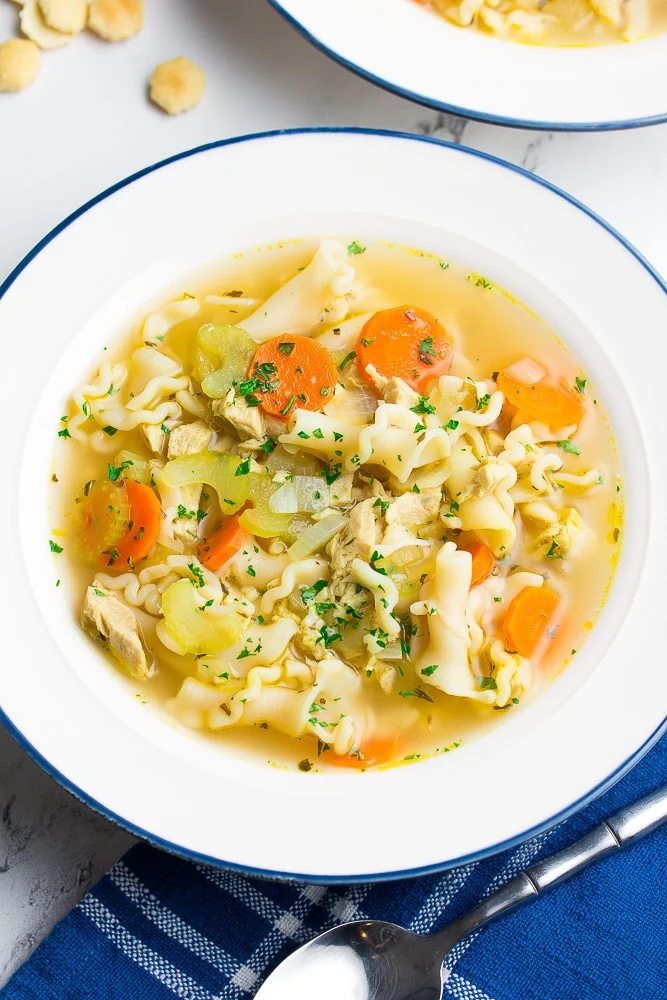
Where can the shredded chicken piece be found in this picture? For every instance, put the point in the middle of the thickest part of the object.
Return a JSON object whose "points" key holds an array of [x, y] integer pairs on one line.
{"points": [[189, 439], [247, 421], [356, 541], [568, 532], [115, 625], [394, 389], [414, 508], [155, 436], [486, 480]]}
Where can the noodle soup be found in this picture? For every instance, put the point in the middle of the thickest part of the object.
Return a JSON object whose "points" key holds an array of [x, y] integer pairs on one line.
{"points": [[340, 504], [558, 22]]}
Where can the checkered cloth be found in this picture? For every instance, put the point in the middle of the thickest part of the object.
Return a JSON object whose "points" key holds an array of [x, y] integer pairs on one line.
{"points": [[158, 927]]}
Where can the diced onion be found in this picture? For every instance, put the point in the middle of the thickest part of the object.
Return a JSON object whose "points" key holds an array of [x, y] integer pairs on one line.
{"points": [[355, 406], [300, 464], [392, 651], [305, 494], [312, 493], [313, 538], [526, 371], [284, 500]]}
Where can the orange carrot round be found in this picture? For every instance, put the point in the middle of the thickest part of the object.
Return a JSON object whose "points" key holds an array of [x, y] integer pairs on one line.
{"points": [[528, 617], [143, 528], [405, 342], [290, 373], [482, 562], [530, 388], [223, 543], [374, 751]]}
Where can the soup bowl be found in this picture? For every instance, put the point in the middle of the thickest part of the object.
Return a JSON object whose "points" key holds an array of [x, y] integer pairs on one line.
{"points": [[74, 713], [406, 48]]}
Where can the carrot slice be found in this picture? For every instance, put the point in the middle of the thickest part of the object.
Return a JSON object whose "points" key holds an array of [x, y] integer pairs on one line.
{"points": [[289, 373], [532, 389], [223, 543], [143, 528], [373, 751], [104, 511], [528, 617], [405, 342], [482, 562]]}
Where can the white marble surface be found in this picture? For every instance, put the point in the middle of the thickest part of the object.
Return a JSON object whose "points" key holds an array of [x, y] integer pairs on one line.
{"points": [[85, 124]]}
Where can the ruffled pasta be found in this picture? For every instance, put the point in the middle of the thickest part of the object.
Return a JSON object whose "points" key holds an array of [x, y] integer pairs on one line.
{"points": [[316, 293]]}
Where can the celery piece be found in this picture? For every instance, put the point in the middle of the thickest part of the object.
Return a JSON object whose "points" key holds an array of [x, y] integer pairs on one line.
{"points": [[196, 628], [216, 469], [222, 357]]}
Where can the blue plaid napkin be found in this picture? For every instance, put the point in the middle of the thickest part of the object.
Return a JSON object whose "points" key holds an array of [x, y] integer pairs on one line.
{"points": [[158, 927]]}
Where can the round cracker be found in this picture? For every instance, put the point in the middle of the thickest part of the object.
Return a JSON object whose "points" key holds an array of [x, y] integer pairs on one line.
{"points": [[65, 15], [177, 85], [35, 27], [116, 20], [19, 64]]}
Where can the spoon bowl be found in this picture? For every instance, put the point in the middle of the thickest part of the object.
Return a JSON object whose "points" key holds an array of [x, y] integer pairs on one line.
{"points": [[377, 960]]}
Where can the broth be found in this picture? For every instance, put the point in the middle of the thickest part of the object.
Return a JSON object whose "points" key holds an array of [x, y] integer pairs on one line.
{"points": [[383, 697]]}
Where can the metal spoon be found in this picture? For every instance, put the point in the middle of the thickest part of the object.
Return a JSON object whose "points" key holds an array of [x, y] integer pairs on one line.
{"points": [[375, 960]]}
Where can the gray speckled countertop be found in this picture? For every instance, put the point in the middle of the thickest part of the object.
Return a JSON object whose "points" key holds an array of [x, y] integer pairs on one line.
{"points": [[261, 75]]}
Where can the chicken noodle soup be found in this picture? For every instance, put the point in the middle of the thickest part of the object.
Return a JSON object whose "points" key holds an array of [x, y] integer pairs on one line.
{"points": [[558, 22], [342, 503]]}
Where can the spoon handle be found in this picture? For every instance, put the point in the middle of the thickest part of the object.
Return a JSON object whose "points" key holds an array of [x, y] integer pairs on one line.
{"points": [[623, 828]]}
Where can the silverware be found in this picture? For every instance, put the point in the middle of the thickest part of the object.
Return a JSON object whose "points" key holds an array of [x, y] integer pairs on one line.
{"points": [[375, 960]]}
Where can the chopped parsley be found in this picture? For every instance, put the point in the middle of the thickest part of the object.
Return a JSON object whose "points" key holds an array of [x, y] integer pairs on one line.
{"points": [[317, 433], [427, 671], [553, 552], [286, 347], [310, 593], [64, 433], [303, 435], [268, 446], [55, 548], [337, 436], [165, 429], [328, 635], [382, 504], [243, 468], [305, 765], [325, 390], [451, 425], [331, 472], [366, 341], [426, 351], [483, 401], [197, 573], [580, 385], [110, 430], [423, 406], [355, 248], [487, 683], [114, 472], [569, 446], [184, 512], [419, 428], [323, 606], [289, 405], [251, 571], [346, 360]]}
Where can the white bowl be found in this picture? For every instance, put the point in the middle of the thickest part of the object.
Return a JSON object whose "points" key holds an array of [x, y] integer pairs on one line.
{"points": [[73, 712], [408, 49]]}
